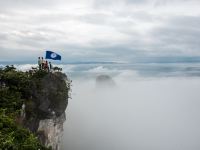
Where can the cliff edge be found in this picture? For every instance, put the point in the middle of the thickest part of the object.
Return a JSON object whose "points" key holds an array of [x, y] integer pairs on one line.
{"points": [[36, 100]]}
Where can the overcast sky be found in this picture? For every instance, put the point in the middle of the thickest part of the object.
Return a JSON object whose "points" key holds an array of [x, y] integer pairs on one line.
{"points": [[99, 30]]}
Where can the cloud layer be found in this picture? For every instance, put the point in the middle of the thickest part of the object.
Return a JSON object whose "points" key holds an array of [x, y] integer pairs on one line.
{"points": [[99, 29]]}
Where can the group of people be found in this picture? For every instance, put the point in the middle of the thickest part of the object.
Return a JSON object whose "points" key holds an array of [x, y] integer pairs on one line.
{"points": [[44, 64]]}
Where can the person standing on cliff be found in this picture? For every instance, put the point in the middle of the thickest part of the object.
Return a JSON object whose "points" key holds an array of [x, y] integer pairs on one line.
{"points": [[50, 66], [43, 62], [39, 63], [46, 66]]}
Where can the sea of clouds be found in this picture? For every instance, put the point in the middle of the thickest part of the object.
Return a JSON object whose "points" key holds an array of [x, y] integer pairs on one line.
{"points": [[142, 112], [139, 113]]}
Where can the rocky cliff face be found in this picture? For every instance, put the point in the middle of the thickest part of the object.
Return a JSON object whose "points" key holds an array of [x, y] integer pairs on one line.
{"points": [[45, 109], [50, 131]]}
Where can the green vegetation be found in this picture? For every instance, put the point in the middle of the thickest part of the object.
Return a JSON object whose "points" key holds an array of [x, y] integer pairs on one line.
{"points": [[16, 137], [15, 89]]}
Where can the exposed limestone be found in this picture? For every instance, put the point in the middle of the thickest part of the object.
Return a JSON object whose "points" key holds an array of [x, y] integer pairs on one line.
{"points": [[45, 111], [50, 131]]}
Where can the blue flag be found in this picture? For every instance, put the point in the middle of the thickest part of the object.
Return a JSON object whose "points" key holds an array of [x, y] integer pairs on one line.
{"points": [[52, 55]]}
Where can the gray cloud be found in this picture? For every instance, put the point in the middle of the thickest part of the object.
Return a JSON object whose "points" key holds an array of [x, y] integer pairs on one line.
{"points": [[180, 33], [95, 29]]}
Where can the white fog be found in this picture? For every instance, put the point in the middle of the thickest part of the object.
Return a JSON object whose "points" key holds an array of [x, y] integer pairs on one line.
{"points": [[139, 113]]}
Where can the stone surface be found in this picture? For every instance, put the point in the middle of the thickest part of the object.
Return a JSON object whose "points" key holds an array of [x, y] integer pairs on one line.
{"points": [[45, 111], [50, 131]]}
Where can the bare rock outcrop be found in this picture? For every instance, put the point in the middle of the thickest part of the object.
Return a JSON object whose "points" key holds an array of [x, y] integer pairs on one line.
{"points": [[45, 111]]}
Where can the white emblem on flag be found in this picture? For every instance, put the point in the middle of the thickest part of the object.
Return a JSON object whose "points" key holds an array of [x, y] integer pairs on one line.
{"points": [[53, 55]]}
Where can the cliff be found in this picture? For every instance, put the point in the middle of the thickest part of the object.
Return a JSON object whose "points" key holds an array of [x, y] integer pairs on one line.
{"points": [[38, 100]]}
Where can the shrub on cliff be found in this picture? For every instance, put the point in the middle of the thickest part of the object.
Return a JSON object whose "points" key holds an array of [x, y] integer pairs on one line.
{"points": [[16, 88], [15, 137]]}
